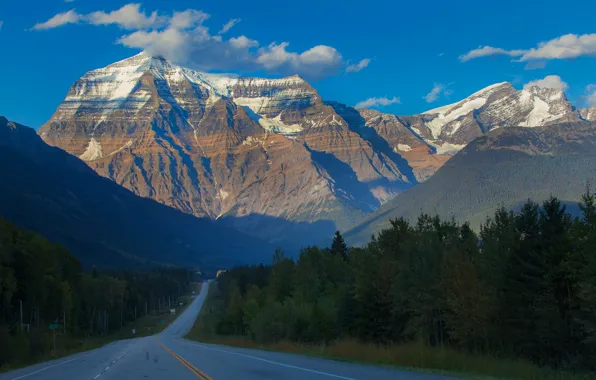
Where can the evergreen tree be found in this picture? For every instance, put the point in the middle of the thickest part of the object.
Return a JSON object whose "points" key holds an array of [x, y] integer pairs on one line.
{"points": [[339, 247]]}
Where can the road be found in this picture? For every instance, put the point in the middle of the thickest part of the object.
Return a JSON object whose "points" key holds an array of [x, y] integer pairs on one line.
{"points": [[167, 356]]}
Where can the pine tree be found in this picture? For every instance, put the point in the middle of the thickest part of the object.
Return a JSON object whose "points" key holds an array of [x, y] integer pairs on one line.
{"points": [[339, 247]]}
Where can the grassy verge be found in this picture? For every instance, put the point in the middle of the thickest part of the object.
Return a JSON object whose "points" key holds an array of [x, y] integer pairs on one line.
{"points": [[153, 323], [410, 356]]}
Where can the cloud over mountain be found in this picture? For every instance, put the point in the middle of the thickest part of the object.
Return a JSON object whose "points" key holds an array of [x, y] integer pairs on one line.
{"points": [[183, 38], [550, 81]]}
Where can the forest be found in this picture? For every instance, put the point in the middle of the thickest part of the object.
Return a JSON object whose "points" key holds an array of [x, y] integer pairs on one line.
{"points": [[522, 287], [42, 284]]}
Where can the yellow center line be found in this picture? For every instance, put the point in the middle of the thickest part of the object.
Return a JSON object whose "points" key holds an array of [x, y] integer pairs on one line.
{"points": [[200, 374]]}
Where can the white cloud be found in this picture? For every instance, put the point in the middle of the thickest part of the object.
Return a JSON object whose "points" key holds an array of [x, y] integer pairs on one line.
{"points": [[170, 43], [567, 46], [437, 91], [358, 66], [591, 97], [1, 23], [563, 47], [188, 19], [70, 17], [228, 25], [183, 38], [377, 102], [316, 62], [243, 42], [486, 51], [550, 81], [129, 16]]}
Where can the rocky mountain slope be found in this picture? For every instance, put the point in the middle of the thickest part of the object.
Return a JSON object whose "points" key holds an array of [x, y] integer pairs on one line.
{"points": [[589, 113], [504, 167], [49, 191], [247, 150], [449, 128], [269, 156]]}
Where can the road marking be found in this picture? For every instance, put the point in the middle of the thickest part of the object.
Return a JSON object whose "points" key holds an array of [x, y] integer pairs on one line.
{"points": [[273, 362], [48, 367], [200, 374], [120, 357]]}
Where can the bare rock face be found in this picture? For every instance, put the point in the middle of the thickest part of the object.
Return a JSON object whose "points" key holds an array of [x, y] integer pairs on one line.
{"points": [[268, 155], [450, 128], [426, 141], [224, 147], [391, 135], [589, 113]]}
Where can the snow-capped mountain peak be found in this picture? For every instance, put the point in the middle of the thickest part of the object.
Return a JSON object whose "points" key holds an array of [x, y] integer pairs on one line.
{"points": [[449, 113], [471, 102]]}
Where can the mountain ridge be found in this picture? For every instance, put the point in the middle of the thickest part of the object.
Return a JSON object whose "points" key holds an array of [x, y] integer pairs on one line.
{"points": [[231, 147], [103, 224]]}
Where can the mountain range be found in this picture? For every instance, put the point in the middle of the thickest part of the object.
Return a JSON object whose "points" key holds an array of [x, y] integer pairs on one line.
{"points": [[269, 157], [57, 195]]}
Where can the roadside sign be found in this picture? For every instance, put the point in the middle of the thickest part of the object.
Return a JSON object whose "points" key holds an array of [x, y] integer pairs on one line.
{"points": [[54, 326]]}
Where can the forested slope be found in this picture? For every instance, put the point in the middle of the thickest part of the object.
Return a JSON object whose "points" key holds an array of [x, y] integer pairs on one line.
{"points": [[46, 283], [505, 167], [523, 288]]}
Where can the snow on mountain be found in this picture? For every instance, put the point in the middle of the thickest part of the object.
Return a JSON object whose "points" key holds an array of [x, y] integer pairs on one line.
{"points": [[117, 86], [267, 154], [93, 151], [589, 113], [449, 128], [263, 150]]}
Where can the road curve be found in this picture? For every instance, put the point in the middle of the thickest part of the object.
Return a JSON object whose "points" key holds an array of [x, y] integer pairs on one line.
{"points": [[167, 356]]}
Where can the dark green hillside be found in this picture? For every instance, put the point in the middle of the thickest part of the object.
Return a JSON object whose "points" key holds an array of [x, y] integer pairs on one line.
{"points": [[514, 301], [47, 190], [505, 167]]}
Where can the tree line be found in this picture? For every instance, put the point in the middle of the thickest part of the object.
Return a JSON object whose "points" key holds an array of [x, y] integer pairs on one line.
{"points": [[41, 283], [523, 286]]}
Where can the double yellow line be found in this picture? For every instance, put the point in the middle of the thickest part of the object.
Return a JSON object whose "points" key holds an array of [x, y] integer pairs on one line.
{"points": [[200, 374]]}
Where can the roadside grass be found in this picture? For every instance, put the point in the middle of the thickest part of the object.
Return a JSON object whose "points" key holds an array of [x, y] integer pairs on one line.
{"points": [[66, 345], [408, 356]]}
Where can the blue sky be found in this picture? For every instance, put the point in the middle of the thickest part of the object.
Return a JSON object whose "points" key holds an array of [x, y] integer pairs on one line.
{"points": [[411, 47]]}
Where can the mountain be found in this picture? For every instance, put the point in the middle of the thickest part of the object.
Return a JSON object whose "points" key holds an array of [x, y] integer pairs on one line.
{"points": [[248, 151], [266, 156], [426, 141], [506, 166], [57, 195], [449, 128], [589, 113]]}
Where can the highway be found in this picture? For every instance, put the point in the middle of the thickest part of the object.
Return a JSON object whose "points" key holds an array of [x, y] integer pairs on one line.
{"points": [[167, 356]]}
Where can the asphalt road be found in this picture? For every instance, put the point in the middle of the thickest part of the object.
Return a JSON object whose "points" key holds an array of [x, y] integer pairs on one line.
{"points": [[166, 356]]}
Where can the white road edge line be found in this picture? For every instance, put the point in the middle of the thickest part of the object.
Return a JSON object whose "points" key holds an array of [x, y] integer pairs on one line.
{"points": [[77, 358], [272, 362], [48, 367]]}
